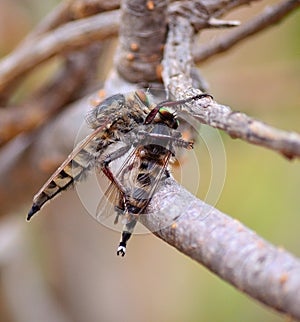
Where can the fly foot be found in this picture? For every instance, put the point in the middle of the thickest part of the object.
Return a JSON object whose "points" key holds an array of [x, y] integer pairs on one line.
{"points": [[121, 251]]}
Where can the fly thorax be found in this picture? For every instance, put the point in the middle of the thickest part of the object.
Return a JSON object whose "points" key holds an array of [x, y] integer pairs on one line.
{"points": [[161, 129]]}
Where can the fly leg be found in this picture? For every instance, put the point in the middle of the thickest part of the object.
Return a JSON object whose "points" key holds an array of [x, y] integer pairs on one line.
{"points": [[126, 234], [120, 209], [105, 166], [166, 140]]}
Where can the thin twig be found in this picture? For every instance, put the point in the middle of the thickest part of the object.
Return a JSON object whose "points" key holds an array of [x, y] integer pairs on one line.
{"points": [[86, 8], [226, 247], [70, 10], [266, 19], [70, 36], [59, 15]]}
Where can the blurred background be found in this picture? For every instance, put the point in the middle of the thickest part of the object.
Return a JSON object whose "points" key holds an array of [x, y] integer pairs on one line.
{"points": [[62, 266]]}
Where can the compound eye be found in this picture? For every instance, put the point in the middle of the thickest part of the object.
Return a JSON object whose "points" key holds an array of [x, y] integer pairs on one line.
{"points": [[165, 113], [143, 98], [168, 118]]}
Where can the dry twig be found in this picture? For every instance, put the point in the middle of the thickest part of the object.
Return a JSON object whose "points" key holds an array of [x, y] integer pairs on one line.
{"points": [[68, 37], [266, 19]]}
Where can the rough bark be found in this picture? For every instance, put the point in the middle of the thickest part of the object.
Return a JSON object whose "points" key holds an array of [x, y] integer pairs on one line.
{"points": [[226, 247]]}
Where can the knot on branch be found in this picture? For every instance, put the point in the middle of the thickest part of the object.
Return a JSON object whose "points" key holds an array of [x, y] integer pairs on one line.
{"points": [[194, 11]]}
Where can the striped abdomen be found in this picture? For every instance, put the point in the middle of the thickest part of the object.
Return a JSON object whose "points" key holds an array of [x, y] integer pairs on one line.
{"points": [[71, 170], [144, 183]]}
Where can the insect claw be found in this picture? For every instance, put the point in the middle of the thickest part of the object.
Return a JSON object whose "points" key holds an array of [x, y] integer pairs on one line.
{"points": [[121, 251]]}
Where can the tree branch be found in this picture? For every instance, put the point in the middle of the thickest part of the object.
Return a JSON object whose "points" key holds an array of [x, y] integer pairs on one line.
{"points": [[266, 19], [49, 99], [11, 68], [226, 247], [177, 66]]}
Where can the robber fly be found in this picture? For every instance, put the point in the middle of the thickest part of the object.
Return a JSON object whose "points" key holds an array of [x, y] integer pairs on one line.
{"points": [[110, 120], [130, 117]]}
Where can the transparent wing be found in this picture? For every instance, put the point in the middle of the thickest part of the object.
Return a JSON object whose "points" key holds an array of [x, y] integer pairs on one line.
{"points": [[110, 201]]}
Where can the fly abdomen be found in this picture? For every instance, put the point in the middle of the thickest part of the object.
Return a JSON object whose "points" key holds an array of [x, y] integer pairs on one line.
{"points": [[74, 170], [61, 182], [141, 196], [145, 179]]}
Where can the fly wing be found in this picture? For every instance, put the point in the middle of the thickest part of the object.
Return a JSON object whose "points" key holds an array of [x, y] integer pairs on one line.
{"points": [[111, 202], [79, 160]]}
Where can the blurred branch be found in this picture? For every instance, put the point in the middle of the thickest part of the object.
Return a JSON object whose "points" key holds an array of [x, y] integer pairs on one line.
{"points": [[266, 19], [22, 280], [59, 15], [66, 11], [131, 59], [226, 247], [48, 100], [72, 35], [177, 66]]}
